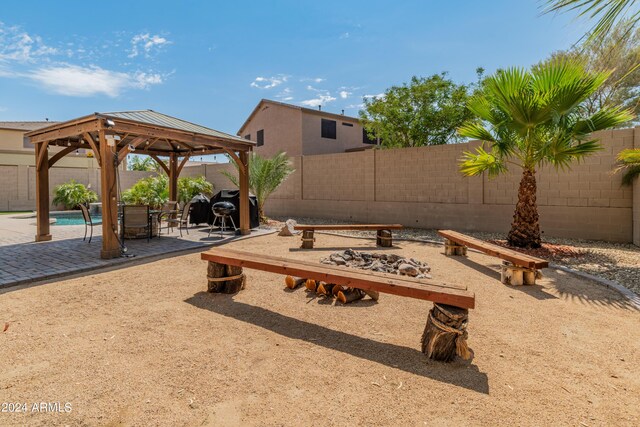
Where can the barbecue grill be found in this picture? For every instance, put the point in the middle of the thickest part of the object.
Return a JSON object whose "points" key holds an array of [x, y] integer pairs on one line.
{"points": [[222, 211]]}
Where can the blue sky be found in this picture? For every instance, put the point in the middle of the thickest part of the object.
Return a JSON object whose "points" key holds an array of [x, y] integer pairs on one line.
{"points": [[211, 62]]}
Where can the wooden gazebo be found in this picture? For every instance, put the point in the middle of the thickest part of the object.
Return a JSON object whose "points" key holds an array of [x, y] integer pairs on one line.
{"points": [[112, 136]]}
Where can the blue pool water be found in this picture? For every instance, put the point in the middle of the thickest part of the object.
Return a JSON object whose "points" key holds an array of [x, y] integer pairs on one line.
{"points": [[74, 218]]}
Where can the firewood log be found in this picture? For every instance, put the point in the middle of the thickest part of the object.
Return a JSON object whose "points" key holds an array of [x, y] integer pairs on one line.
{"points": [[374, 295], [293, 282], [311, 285], [351, 294], [325, 288], [338, 288]]}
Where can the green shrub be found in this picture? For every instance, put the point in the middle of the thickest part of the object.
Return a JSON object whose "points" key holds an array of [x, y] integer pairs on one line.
{"points": [[72, 194], [188, 188], [152, 191]]}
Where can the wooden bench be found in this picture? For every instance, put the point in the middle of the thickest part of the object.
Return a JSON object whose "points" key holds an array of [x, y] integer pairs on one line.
{"points": [[445, 332], [383, 237], [517, 268]]}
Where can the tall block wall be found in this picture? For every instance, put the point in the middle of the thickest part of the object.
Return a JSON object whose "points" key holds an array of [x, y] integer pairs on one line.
{"points": [[421, 187]]}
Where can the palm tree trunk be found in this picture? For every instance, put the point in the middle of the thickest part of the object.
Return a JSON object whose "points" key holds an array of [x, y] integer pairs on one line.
{"points": [[525, 228]]}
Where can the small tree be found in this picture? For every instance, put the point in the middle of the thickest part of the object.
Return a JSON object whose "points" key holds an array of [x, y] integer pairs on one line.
{"points": [[265, 176], [152, 191], [189, 187], [72, 194], [532, 118], [140, 163], [426, 111]]}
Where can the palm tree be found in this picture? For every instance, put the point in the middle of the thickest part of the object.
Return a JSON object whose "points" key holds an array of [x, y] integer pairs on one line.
{"points": [[533, 118], [606, 12], [629, 162], [265, 176]]}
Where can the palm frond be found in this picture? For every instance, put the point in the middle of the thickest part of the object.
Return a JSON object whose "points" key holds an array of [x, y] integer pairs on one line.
{"points": [[475, 130], [562, 152], [472, 164], [605, 118], [605, 12]]}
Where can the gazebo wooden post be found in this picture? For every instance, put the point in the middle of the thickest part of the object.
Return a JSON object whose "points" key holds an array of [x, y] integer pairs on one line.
{"points": [[110, 244], [42, 193], [173, 177], [243, 171]]}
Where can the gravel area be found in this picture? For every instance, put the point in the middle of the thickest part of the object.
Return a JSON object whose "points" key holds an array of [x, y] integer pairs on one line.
{"points": [[619, 262]]}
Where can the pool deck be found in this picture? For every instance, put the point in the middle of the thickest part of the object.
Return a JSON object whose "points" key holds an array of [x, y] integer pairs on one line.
{"points": [[24, 261]]}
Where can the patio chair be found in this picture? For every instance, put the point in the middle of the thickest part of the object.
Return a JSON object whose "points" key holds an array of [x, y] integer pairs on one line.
{"points": [[169, 209], [88, 222], [182, 219], [136, 217]]}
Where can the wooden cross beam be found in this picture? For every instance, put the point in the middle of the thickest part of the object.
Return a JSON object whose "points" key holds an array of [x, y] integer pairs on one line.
{"points": [[60, 154], [183, 162], [87, 137], [160, 162], [135, 142]]}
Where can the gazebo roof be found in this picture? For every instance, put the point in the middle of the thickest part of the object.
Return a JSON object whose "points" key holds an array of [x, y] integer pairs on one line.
{"points": [[149, 131], [158, 119]]}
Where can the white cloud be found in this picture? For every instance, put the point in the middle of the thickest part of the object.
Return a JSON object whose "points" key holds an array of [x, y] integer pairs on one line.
{"points": [[146, 43], [345, 35], [344, 94], [285, 94], [17, 45], [312, 79], [72, 80], [320, 100], [269, 82]]}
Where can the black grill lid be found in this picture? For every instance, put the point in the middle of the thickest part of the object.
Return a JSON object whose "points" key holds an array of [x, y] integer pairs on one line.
{"points": [[224, 208]]}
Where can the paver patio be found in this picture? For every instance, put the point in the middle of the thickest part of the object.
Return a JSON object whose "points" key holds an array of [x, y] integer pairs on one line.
{"points": [[22, 260]]}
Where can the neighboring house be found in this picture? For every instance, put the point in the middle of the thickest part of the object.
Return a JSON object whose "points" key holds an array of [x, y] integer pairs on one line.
{"points": [[16, 150], [276, 126]]}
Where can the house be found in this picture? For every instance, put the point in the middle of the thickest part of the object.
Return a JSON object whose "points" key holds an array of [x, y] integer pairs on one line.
{"points": [[16, 150], [276, 126]]}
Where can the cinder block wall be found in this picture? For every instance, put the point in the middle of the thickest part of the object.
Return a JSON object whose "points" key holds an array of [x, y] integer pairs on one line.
{"points": [[422, 187]]}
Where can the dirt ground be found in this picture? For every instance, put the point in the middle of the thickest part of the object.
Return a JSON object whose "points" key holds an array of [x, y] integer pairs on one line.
{"points": [[146, 345]]}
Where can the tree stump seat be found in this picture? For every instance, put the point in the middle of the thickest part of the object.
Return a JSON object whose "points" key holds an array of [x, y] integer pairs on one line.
{"points": [[384, 236], [517, 268], [442, 339]]}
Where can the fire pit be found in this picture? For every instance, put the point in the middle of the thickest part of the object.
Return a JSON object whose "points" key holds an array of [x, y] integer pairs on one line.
{"points": [[385, 263]]}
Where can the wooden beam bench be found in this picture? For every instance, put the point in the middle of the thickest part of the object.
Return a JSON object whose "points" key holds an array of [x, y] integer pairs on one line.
{"points": [[517, 268], [383, 237], [444, 335]]}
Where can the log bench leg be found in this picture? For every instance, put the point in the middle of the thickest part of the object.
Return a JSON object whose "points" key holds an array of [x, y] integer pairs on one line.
{"points": [[384, 238], [517, 276], [307, 239], [445, 334], [227, 279], [453, 248]]}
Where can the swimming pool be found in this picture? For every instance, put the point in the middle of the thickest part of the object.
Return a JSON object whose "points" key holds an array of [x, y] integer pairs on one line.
{"points": [[72, 218]]}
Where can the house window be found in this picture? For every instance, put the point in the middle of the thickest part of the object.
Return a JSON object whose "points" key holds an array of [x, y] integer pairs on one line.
{"points": [[328, 129], [26, 143], [260, 137], [366, 139], [347, 124], [248, 136]]}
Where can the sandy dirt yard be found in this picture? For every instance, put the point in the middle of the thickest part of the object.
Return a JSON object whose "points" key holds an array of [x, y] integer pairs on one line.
{"points": [[146, 345]]}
